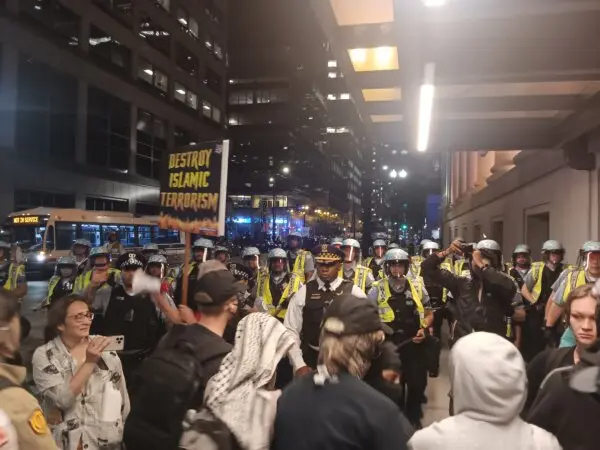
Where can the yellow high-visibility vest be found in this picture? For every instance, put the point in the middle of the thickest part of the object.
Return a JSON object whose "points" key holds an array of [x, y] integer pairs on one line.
{"points": [[14, 272], [83, 281], [415, 265], [536, 272], [299, 265], [459, 268], [386, 313], [263, 291], [575, 278], [447, 266], [361, 274]]}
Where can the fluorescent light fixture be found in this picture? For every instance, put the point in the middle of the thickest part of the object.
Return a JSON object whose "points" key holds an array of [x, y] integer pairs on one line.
{"points": [[332, 75], [434, 3], [385, 118], [373, 59], [385, 167], [402, 173], [393, 173], [426, 107], [332, 63], [148, 72], [180, 91], [344, 96], [382, 94]]}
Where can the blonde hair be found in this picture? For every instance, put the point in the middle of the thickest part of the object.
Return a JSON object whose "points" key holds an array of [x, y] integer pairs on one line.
{"points": [[352, 354]]}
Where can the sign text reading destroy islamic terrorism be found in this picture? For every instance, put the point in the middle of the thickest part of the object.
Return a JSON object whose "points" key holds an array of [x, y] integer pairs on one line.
{"points": [[189, 178]]}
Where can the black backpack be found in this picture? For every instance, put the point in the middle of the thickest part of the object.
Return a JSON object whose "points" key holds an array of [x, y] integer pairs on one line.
{"points": [[169, 382]]}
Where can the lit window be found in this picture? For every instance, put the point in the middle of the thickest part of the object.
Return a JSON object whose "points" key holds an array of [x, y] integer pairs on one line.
{"points": [[330, 130], [180, 92], [332, 75], [233, 121], [331, 97], [344, 96], [207, 109], [216, 116], [332, 63], [191, 99], [193, 27]]}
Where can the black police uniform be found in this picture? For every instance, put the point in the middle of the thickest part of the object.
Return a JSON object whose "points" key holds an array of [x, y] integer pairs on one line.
{"points": [[413, 356], [534, 340], [312, 316]]}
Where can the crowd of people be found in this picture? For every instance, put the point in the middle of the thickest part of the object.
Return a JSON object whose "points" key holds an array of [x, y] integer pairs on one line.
{"points": [[301, 349]]}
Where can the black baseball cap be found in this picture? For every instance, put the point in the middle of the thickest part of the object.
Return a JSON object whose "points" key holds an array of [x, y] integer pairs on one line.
{"points": [[348, 315], [217, 286]]}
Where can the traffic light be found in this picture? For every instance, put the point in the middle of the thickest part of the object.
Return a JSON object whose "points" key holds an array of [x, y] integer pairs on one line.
{"points": [[404, 227]]}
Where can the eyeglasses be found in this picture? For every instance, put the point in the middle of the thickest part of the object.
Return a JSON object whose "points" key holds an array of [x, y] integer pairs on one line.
{"points": [[82, 316]]}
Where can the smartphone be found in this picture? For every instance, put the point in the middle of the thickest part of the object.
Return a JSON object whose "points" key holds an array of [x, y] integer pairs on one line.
{"points": [[116, 344]]}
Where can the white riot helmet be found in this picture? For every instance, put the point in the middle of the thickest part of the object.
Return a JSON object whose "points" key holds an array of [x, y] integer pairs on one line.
{"points": [[353, 249], [395, 255], [587, 249], [277, 253], [521, 249], [491, 251], [337, 241], [160, 261], [205, 244], [251, 253], [429, 247], [65, 262], [552, 246]]}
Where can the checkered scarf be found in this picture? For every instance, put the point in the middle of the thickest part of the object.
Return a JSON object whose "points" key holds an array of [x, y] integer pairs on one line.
{"points": [[239, 393]]}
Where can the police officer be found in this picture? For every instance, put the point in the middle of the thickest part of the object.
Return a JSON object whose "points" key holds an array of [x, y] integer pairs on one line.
{"points": [[375, 263], [62, 282], [113, 245], [352, 269], [158, 267], [415, 261], [536, 290], [251, 259], [201, 249], [306, 307], [300, 261], [404, 306], [150, 249], [438, 296], [118, 311], [570, 279], [23, 424], [520, 264], [337, 242], [221, 253], [275, 286], [98, 260], [12, 275], [80, 250]]}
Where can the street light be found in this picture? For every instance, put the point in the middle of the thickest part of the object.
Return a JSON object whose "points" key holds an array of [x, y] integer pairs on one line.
{"points": [[285, 170], [385, 167], [393, 173], [402, 173], [271, 180]]}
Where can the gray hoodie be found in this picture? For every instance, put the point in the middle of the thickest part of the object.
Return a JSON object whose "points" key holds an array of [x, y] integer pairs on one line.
{"points": [[489, 385]]}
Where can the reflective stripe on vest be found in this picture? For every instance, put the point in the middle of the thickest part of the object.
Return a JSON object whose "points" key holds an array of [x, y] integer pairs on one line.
{"points": [[51, 286], [299, 265], [447, 266], [263, 291], [386, 313], [14, 271], [415, 265], [575, 279], [536, 271], [83, 281], [458, 267], [191, 268]]}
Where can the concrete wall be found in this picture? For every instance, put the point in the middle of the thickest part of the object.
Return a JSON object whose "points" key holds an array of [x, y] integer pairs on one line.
{"points": [[540, 182]]}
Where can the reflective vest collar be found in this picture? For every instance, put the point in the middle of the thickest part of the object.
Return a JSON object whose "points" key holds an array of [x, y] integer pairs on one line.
{"points": [[384, 294]]}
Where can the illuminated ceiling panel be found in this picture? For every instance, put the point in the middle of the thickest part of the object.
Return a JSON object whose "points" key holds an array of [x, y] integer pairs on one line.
{"points": [[495, 115], [585, 88], [384, 118], [361, 12], [382, 95], [374, 59]]}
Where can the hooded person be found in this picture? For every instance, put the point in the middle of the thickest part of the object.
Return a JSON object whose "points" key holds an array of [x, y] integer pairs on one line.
{"points": [[241, 396], [489, 386]]}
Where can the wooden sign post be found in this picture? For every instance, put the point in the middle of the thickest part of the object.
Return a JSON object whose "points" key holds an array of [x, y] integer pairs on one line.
{"points": [[193, 195]]}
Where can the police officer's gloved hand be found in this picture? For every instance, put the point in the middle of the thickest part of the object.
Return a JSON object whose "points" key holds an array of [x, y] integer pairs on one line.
{"points": [[550, 335]]}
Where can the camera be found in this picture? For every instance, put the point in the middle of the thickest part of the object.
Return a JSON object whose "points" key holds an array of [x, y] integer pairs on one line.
{"points": [[467, 248]]}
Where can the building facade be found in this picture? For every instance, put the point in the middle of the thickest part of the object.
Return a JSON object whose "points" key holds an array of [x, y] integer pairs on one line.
{"points": [[92, 92]]}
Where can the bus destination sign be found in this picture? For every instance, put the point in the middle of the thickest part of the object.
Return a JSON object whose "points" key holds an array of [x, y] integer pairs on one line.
{"points": [[28, 220]]}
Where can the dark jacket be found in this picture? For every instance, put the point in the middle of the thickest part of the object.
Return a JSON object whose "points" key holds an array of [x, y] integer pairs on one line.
{"points": [[569, 415], [469, 313]]}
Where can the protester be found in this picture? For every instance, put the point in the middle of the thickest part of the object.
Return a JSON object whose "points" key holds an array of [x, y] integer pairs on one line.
{"points": [[581, 311], [489, 386], [24, 425], [333, 408], [174, 378], [241, 395], [82, 386], [572, 417]]}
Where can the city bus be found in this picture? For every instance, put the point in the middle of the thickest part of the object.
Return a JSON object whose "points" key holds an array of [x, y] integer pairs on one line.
{"points": [[46, 234]]}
